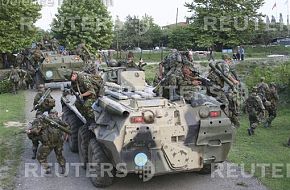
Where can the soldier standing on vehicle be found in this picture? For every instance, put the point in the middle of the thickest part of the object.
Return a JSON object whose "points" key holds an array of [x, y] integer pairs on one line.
{"points": [[83, 52], [273, 99], [254, 108], [37, 57], [48, 103], [14, 78], [169, 69], [51, 138], [89, 88], [218, 75]]}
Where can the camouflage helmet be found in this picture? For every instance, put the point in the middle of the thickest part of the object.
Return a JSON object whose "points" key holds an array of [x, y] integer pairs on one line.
{"points": [[262, 79], [226, 57], [255, 89], [272, 84]]}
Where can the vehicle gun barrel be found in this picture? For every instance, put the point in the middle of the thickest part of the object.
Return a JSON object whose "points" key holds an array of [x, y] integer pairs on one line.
{"points": [[113, 107]]}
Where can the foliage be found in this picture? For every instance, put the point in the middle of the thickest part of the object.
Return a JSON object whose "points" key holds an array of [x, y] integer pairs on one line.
{"points": [[137, 32], [5, 86], [16, 24], [83, 21], [181, 38], [230, 17]]}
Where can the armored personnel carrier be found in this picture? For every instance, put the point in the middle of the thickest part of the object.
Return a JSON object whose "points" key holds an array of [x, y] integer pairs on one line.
{"points": [[49, 68], [135, 131]]}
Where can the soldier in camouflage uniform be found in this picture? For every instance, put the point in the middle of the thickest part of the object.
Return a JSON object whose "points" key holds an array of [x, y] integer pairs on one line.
{"points": [[187, 83], [48, 103], [169, 69], [216, 90], [254, 107], [37, 57], [51, 139], [83, 52], [263, 88], [272, 107], [14, 78], [84, 85]]}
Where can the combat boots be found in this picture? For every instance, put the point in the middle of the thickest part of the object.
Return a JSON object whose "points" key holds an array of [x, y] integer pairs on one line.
{"points": [[34, 154], [251, 131], [62, 170]]}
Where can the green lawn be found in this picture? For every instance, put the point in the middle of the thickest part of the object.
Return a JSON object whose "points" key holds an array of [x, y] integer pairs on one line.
{"points": [[265, 147], [11, 145]]}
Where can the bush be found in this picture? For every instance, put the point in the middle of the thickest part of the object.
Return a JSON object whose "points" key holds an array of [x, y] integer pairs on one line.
{"points": [[5, 86]]}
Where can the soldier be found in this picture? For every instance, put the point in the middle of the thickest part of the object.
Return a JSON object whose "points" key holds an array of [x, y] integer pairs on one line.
{"points": [[216, 89], [51, 139], [169, 69], [254, 107], [48, 103], [14, 78], [263, 89], [187, 83], [54, 45], [272, 107], [89, 88], [37, 57], [83, 52]]}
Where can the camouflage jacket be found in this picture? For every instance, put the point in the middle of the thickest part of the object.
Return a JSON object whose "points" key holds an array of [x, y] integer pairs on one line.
{"points": [[263, 89], [88, 83], [273, 97], [254, 104], [48, 103], [47, 134], [225, 69]]}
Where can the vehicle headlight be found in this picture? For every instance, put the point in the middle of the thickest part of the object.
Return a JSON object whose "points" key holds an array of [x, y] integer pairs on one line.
{"points": [[48, 74], [141, 159], [204, 112]]}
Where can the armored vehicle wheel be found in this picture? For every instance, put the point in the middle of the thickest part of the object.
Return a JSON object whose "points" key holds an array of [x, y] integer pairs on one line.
{"points": [[73, 121], [207, 169], [97, 157], [84, 137]]}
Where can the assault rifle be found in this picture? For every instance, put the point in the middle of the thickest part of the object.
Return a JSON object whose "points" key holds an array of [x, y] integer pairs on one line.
{"points": [[41, 100], [56, 125]]}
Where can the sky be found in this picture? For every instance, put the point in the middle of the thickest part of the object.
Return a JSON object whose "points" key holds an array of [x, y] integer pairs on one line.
{"points": [[163, 11]]}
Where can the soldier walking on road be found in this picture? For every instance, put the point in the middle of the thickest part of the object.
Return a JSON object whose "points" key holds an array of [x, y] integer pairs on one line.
{"points": [[51, 138], [48, 103], [14, 78], [254, 108]]}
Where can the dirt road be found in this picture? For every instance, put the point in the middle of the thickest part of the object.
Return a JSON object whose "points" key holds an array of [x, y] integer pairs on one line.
{"points": [[28, 179]]}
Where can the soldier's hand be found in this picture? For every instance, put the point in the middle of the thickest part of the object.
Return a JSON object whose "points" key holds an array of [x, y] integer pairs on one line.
{"points": [[236, 82], [196, 83]]}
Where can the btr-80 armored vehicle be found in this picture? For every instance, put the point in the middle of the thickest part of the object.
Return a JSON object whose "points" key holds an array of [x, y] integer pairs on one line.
{"points": [[135, 131]]}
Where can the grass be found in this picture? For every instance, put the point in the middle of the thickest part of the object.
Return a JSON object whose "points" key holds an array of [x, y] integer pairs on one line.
{"points": [[11, 145], [265, 147]]}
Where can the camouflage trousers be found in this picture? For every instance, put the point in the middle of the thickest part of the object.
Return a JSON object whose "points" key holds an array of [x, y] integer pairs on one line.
{"points": [[15, 87], [218, 93], [35, 141], [272, 115], [86, 109], [45, 150], [254, 120]]}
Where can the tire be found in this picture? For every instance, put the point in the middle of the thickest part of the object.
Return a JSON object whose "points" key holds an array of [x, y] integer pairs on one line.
{"points": [[74, 124], [97, 156], [207, 169], [84, 137]]}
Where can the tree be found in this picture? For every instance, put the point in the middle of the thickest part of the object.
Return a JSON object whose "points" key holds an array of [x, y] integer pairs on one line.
{"points": [[181, 38], [223, 23], [16, 24], [83, 21], [136, 32]]}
